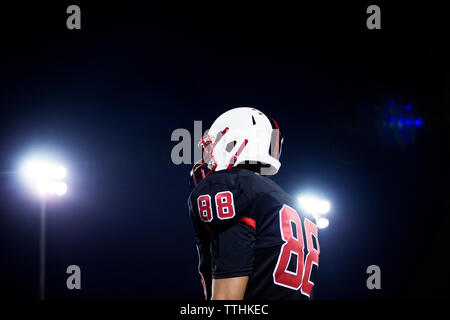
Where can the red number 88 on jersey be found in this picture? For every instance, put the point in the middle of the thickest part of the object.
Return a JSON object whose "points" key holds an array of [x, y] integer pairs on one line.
{"points": [[292, 235], [224, 206]]}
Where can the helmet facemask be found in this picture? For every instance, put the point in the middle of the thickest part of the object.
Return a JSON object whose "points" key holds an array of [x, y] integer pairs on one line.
{"points": [[207, 163]]}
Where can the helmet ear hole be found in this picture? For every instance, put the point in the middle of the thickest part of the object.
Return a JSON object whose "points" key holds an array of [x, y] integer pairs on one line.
{"points": [[230, 146]]}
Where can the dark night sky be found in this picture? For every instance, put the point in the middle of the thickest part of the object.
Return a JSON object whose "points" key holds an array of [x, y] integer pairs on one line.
{"points": [[106, 98]]}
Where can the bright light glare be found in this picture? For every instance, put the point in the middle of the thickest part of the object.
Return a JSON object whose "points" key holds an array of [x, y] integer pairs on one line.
{"points": [[317, 207], [322, 223], [45, 177], [314, 205], [51, 187], [42, 170]]}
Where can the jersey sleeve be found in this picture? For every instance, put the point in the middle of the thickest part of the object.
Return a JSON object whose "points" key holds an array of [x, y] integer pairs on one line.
{"points": [[232, 250], [203, 244], [223, 210]]}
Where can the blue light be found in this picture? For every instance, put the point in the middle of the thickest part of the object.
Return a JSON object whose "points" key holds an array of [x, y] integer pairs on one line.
{"points": [[400, 121], [408, 122], [408, 107], [418, 122]]}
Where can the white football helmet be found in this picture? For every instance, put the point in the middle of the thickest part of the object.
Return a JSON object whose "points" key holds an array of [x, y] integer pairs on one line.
{"points": [[240, 136]]}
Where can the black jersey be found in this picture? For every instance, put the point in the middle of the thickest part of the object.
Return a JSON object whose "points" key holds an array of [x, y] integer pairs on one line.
{"points": [[246, 225]]}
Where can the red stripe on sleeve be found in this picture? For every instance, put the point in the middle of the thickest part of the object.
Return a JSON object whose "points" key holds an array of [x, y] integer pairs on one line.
{"points": [[248, 221]]}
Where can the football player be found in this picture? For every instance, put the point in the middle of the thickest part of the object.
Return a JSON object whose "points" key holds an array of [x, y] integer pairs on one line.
{"points": [[252, 240]]}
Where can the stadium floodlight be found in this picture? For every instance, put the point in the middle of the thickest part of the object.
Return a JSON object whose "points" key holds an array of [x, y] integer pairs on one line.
{"points": [[322, 222], [314, 205], [46, 179], [317, 207]]}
